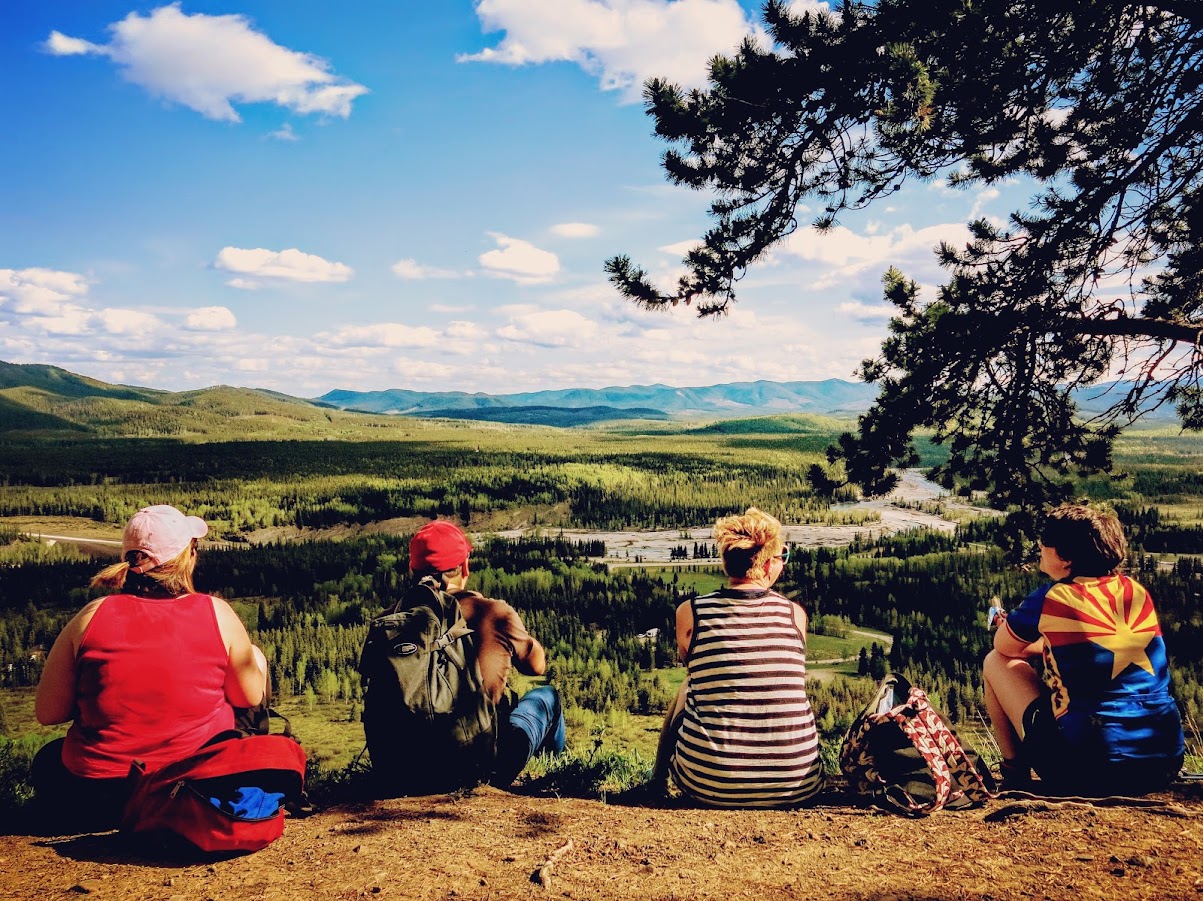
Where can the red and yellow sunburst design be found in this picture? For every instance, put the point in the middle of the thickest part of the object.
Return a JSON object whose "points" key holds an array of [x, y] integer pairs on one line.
{"points": [[1114, 613]]}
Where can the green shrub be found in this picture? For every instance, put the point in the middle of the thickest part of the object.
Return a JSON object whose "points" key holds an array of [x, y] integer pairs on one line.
{"points": [[16, 755]]}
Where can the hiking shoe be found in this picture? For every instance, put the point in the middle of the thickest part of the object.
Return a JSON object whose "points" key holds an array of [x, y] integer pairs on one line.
{"points": [[1013, 776]]}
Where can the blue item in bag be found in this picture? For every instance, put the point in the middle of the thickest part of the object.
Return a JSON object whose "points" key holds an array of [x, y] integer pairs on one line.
{"points": [[250, 803]]}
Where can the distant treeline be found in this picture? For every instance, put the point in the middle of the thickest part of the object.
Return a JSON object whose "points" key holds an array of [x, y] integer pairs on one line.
{"points": [[239, 487]]}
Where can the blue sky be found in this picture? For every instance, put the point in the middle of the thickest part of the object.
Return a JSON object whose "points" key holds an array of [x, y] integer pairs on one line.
{"points": [[394, 194]]}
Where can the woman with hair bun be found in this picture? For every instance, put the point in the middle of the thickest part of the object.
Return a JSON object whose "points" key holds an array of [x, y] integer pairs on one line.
{"points": [[150, 672], [743, 733]]}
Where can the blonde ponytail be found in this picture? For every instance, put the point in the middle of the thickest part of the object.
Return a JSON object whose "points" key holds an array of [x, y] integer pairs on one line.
{"points": [[170, 579], [111, 578]]}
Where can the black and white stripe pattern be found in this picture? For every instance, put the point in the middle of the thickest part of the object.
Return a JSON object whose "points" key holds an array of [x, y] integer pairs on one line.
{"points": [[748, 738]]}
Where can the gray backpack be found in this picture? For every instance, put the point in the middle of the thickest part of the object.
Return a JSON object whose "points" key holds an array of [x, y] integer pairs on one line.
{"points": [[430, 727]]}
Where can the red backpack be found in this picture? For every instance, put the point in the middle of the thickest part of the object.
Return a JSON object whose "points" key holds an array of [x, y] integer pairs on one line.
{"points": [[228, 796]]}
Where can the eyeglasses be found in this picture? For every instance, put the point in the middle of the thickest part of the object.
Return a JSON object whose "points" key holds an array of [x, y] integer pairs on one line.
{"points": [[784, 555]]}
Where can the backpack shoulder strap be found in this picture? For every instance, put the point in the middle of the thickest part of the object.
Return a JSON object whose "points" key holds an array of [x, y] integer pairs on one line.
{"points": [[922, 725], [430, 593]]}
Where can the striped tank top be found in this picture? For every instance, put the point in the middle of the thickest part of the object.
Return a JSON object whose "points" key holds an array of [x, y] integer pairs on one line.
{"points": [[748, 736]]}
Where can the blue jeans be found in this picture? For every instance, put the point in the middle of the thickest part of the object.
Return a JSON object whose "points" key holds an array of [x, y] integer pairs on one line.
{"points": [[535, 725], [75, 802]]}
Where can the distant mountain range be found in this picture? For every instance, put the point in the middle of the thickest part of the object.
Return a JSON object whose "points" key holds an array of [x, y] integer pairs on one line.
{"points": [[37, 398], [40, 398], [832, 396]]}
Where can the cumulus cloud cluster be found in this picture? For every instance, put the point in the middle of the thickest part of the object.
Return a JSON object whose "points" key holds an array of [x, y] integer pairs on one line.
{"points": [[621, 42], [45, 304], [292, 265], [209, 63], [569, 339], [519, 260]]}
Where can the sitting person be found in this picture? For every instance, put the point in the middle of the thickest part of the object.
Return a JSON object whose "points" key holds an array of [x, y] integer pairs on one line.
{"points": [[150, 673], [535, 722], [742, 733], [1103, 722]]}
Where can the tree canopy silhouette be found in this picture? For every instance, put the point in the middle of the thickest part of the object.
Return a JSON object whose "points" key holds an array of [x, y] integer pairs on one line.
{"points": [[1098, 106]]}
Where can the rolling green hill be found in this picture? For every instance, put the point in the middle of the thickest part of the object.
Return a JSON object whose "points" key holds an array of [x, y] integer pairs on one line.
{"points": [[38, 400], [783, 424], [61, 383]]}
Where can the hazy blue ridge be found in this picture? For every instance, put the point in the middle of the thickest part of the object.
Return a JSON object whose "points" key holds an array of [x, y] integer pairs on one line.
{"points": [[739, 398], [545, 415]]}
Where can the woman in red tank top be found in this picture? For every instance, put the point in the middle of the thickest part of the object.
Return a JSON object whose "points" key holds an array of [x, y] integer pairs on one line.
{"points": [[148, 673]]}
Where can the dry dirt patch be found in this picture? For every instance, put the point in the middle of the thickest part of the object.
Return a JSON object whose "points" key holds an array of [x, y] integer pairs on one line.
{"points": [[487, 844]]}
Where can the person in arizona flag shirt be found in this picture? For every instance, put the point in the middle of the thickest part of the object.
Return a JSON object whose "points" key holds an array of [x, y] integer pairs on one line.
{"points": [[1103, 721]]}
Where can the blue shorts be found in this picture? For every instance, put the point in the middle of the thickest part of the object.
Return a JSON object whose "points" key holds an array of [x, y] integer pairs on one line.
{"points": [[1070, 767]]}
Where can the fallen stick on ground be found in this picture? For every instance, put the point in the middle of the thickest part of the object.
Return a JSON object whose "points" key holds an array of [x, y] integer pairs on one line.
{"points": [[542, 875]]}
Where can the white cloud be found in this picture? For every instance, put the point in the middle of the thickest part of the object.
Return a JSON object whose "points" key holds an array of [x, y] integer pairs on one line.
{"points": [[210, 319], [550, 328], [575, 230], [37, 291], [461, 330], [984, 196], [127, 322], [430, 374], [287, 265], [680, 249], [284, 133], [384, 334], [1056, 116], [622, 42], [71, 321], [519, 260], [867, 312], [413, 270], [60, 44], [799, 7], [842, 255], [208, 63]]}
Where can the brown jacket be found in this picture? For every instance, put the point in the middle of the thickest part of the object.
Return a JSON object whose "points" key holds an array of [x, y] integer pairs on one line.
{"points": [[502, 641]]}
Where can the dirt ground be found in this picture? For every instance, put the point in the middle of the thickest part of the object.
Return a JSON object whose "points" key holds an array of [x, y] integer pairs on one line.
{"points": [[489, 844]]}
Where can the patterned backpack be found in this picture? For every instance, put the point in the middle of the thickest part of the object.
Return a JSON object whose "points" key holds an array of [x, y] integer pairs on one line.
{"points": [[900, 754]]}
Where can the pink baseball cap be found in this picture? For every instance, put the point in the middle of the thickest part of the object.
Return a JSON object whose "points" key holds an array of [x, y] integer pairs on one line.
{"points": [[438, 546], [162, 533]]}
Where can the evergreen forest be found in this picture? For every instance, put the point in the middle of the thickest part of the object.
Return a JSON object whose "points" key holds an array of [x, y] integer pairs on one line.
{"points": [[313, 540]]}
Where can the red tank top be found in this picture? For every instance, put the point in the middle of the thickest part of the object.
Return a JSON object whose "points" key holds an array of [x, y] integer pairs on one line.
{"points": [[150, 684]]}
